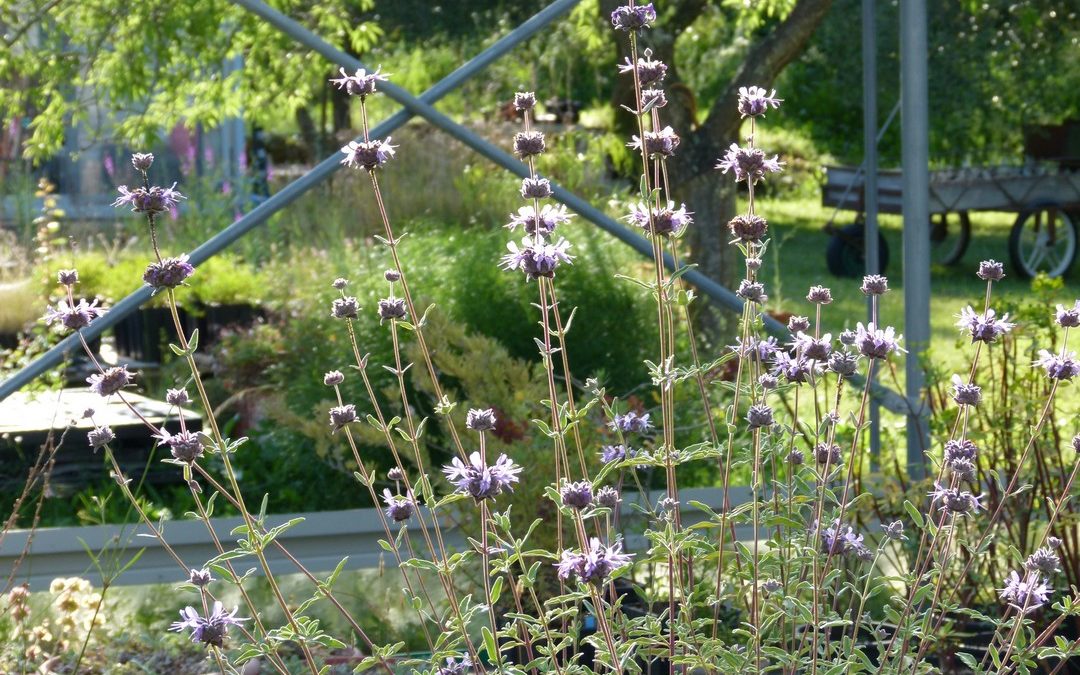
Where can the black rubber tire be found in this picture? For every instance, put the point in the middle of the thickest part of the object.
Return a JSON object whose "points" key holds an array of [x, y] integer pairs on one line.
{"points": [[957, 246], [845, 256], [1016, 254]]}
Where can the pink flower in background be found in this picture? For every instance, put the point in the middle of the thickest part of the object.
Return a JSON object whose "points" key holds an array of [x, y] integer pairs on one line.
{"points": [[110, 167]]}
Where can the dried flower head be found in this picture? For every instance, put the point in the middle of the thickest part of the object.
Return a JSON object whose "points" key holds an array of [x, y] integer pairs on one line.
{"points": [[535, 188], [142, 161], [666, 221], [629, 18], [748, 164], [345, 308], [399, 508], [536, 258], [1054, 542], [825, 453], [594, 566], [798, 324], [661, 143], [753, 264], [551, 216], [340, 283], [168, 272], [362, 83], [748, 229], [524, 100], [391, 309], [874, 284], [754, 101], [395, 474], [768, 382], [796, 457], [75, 316], [965, 393], [894, 530], [211, 630], [341, 416], [480, 419], [843, 363], [110, 381], [529, 143], [991, 270], [847, 338], [177, 397], [1044, 560], [392, 275], [608, 497], [752, 291], [481, 481], [963, 469], [200, 578], [100, 436], [368, 155], [652, 98], [333, 378], [577, 495], [67, 277], [649, 70], [819, 295]]}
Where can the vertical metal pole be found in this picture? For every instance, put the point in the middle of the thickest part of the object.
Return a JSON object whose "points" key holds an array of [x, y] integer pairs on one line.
{"points": [[870, 205], [915, 142]]}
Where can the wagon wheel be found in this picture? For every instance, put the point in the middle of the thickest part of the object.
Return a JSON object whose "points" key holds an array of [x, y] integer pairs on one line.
{"points": [[1043, 239], [845, 255], [950, 234]]}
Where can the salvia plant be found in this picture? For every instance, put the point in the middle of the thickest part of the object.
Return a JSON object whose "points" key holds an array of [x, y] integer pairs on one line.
{"points": [[792, 577]]}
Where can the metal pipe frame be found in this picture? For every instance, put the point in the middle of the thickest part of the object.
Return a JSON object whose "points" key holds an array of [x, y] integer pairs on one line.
{"points": [[914, 125], [420, 106], [870, 194]]}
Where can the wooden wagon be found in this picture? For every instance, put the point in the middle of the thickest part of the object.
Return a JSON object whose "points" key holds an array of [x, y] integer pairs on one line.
{"points": [[1046, 199]]}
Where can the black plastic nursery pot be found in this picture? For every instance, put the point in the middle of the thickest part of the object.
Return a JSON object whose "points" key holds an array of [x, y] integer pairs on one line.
{"points": [[213, 320], [145, 334]]}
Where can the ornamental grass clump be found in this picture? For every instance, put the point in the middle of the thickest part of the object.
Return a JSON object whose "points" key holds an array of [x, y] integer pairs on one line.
{"points": [[789, 573]]}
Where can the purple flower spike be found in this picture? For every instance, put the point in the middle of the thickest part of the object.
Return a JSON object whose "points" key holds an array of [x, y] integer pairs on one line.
{"points": [[529, 144], [649, 70], [629, 18], [752, 291], [149, 200], [874, 284], [391, 309], [577, 495], [480, 481], [1026, 594], [615, 453], [759, 415], [819, 295], [100, 436], [142, 161], [748, 164], [754, 101], [455, 666], [876, 343], [169, 273], [524, 100], [184, 446], [1058, 366], [984, 327], [631, 422], [536, 258], [965, 393], [667, 221], [535, 188], [608, 497], [368, 155], [361, 83], [594, 567], [341, 416], [67, 277], [795, 369], [1068, 317], [73, 317], [1044, 560], [661, 143], [550, 218], [748, 229], [399, 508], [109, 382], [954, 500], [211, 630]]}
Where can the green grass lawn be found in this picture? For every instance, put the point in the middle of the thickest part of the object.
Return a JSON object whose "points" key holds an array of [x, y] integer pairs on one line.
{"points": [[796, 260]]}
